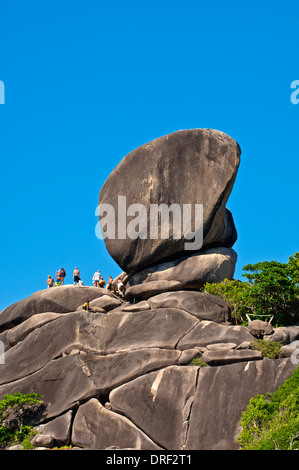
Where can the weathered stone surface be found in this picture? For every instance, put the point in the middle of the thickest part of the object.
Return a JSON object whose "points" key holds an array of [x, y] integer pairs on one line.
{"points": [[144, 291], [285, 334], [188, 355], [113, 370], [140, 359], [221, 346], [42, 440], [138, 307], [107, 302], [58, 428], [259, 328], [72, 379], [160, 328], [159, 403], [222, 393], [63, 383], [207, 332], [95, 427], [19, 333], [191, 270], [200, 304], [210, 160], [291, 350], [95, 333], [57, 299], [229, 356]]}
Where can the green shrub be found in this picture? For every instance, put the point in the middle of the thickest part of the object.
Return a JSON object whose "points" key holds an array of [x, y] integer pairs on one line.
{"points": [[272, 422], [270, 349], [197, 361], [12, 411]]}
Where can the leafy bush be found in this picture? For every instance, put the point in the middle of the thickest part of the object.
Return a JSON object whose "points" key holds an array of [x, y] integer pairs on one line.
{"points": [[272, 422], [235, 293], [15, 411], [270, 349], [271, 288]]}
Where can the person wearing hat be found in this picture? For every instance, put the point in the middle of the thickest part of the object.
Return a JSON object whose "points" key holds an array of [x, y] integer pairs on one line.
{"points": [[50, 282]]}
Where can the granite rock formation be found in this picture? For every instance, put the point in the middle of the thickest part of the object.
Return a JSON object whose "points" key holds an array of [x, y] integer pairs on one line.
{"points": [[125, 378]]}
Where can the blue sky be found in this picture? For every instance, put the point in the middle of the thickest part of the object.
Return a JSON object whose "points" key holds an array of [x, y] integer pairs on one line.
{"points": [[88, 81]]}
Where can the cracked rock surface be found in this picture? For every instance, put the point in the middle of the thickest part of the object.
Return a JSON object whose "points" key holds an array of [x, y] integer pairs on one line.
{"points": [[124, 378]]}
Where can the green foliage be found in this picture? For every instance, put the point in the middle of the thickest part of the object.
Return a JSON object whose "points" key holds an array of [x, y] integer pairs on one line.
{"points": [[271, 288], [293, 268], [197, 361], [15, 404], [235, 293], [272, 422], [17, 401], [270, 349]]}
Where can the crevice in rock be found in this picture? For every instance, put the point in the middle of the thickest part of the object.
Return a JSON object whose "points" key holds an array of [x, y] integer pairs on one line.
{"points": [[139, 429], [183, 444], [186, 333]]}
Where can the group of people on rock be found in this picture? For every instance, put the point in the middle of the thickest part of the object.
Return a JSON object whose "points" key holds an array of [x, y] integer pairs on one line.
{"points": [[97, 280], [60, 275]]}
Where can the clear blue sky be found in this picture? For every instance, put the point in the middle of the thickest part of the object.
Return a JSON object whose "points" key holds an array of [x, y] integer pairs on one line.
{"points": [[88, 81]]}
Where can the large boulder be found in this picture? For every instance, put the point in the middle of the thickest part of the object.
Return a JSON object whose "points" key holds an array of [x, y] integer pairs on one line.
{"points": [[94, 425], [192, 271], [200, 304], [195, 166], [164, 410], [208, 332], [148, 289]]}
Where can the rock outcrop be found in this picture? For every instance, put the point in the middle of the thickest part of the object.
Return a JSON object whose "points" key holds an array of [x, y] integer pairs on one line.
{"points": [[125, 378]]}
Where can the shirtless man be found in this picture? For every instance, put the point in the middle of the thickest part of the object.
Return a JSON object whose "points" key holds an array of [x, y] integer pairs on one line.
{"points": [[76, 276], [50, 282]]}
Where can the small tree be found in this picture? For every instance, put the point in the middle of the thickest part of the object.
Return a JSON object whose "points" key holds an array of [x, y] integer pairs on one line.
{"points": [[237, 295], [271, 288]]}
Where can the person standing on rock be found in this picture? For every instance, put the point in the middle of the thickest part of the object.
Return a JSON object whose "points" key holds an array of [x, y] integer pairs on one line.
{"points": [[96, 278], [62, 276], [109, 284], [76, 276], [50, 282]]}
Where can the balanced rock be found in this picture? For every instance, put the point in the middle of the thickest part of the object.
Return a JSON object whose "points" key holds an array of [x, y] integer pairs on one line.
{"points": [[187, 167]]}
